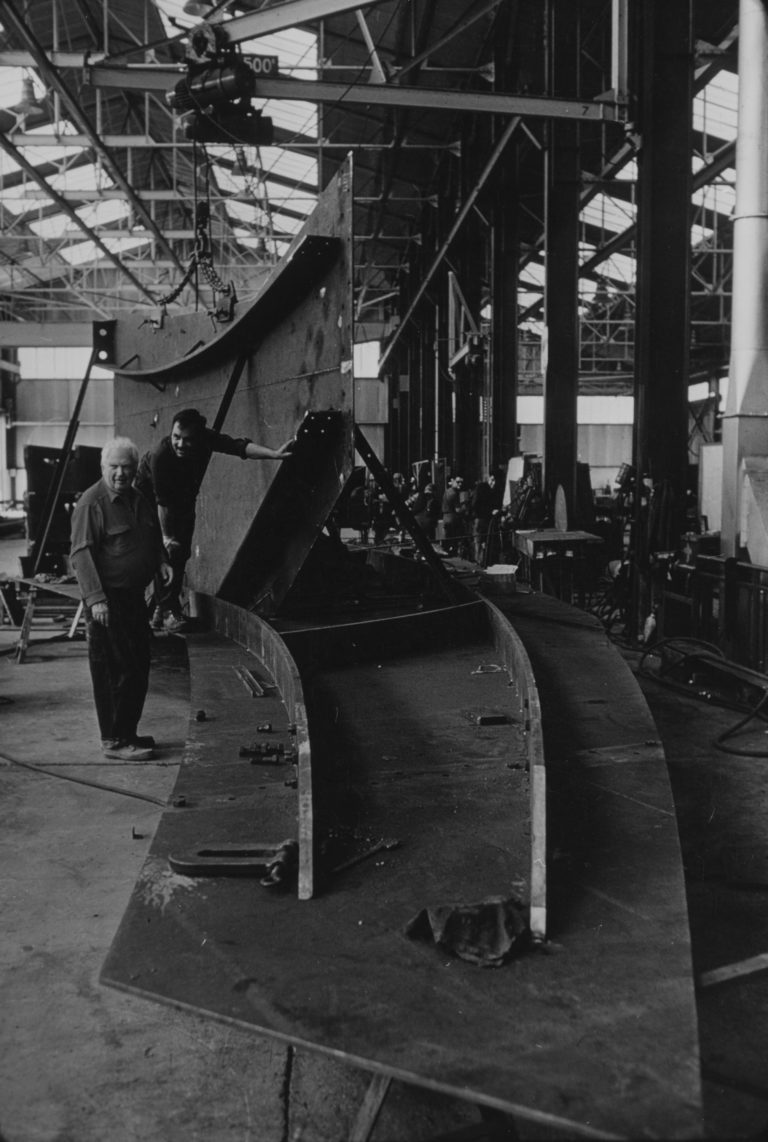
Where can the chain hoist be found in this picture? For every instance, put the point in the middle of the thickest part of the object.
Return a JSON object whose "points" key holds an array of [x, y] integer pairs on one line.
{"points": [[202, 261]]}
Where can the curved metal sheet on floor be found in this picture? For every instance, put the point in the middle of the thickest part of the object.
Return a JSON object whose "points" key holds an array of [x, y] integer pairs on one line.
{"points": [[593, 1035]]}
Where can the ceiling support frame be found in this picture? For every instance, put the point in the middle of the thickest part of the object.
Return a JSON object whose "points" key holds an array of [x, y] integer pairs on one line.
{"points": [[51, 76], [466, 208], [72, 214]]}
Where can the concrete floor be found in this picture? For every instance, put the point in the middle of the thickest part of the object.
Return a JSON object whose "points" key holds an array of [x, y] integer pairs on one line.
{"points": [[81, 1063]]}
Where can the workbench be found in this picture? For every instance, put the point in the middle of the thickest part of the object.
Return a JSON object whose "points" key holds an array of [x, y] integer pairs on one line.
{"points": [[37, 602], [556, 561]]}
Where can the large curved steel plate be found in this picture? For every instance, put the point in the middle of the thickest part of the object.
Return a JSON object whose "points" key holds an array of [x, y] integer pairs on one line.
{"points": [[290, 353]]}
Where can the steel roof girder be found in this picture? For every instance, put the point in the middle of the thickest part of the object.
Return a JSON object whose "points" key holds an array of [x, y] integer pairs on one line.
{"points": [[160, 78]]}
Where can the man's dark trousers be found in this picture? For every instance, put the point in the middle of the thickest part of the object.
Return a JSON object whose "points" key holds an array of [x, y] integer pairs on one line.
{"points": [[119, 658]]}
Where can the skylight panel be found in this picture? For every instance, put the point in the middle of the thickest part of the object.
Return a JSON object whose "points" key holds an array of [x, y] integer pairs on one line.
{"points": [[627, 173], [297, 199], [228, 181], [50, 228], [701, 236], [533, 274], [89, 177], [45, 154], [80, 252], [609, 213], [289, 164], [718, 196], [620, 267], [10, 86], [715, 109], [258, 192], [292, 115], [104, 213], [242, 211]]}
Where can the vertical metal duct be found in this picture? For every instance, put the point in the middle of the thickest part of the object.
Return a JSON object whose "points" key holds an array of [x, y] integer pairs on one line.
{"points": [[745, 425]]}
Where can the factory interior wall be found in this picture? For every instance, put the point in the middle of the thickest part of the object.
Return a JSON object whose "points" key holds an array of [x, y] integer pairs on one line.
{"points": [[43, 406], [605, 447]]}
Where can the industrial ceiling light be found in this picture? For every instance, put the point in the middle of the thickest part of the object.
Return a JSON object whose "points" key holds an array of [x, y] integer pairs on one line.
{"points": [[201, 8]]}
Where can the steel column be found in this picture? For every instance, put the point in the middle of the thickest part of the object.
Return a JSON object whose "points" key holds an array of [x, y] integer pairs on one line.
{"points": [[663, 288], [561, 297], [505, 259], [663, 235], [745, 421]]}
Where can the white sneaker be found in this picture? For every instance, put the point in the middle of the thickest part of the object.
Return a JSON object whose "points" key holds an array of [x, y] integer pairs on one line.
{"points": [[125, 751]]}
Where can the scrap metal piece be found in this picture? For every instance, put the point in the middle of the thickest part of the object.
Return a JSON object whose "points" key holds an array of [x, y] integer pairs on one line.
{"points": [[251, 683], [384, 845], [271, 862]]}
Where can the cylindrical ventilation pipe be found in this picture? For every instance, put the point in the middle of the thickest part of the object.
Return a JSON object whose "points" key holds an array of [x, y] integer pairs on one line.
{"points": [[745, 424]]}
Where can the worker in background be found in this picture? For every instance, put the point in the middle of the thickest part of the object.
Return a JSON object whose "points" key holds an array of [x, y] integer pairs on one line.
{"points": [[169, 476], [481, 510], [453, 515], [116, 550]]}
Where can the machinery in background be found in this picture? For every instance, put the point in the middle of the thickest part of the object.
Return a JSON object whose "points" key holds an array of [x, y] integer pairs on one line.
{"points": [[51, 533]]}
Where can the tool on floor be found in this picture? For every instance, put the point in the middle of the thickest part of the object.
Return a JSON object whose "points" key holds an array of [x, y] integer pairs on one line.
{"points": [[256, 687], [384, 845], [266, 753], [273, 863]]}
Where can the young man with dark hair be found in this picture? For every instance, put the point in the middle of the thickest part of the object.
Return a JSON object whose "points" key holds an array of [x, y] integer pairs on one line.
{"points": [[170, 476]]}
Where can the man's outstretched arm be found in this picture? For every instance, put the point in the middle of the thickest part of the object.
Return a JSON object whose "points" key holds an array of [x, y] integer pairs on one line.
{"points": [[261, 452]]}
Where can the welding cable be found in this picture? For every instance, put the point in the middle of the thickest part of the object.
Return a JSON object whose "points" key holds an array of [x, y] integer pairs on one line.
{"points": [[719, 742], [83, 781], [722, 738]]}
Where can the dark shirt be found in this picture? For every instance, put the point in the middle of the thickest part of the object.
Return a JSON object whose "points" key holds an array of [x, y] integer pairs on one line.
{"points": [[116, 542], [451, 501], [482, 501], [171, 482]]}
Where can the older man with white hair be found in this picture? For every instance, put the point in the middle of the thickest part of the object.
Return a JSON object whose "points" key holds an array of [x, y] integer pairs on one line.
{"points": [[117, 549]]}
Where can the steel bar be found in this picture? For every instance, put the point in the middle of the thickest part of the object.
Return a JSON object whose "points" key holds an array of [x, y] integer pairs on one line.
{"points": [[376, 94], [288, 14]]}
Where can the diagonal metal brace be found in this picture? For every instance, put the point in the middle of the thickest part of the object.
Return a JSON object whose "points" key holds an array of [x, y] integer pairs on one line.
{"points": [[406, 517]]}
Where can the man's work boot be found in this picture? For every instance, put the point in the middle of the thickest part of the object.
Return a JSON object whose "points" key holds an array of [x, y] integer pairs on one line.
{"points": [[126, 751], [175, 624]]}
